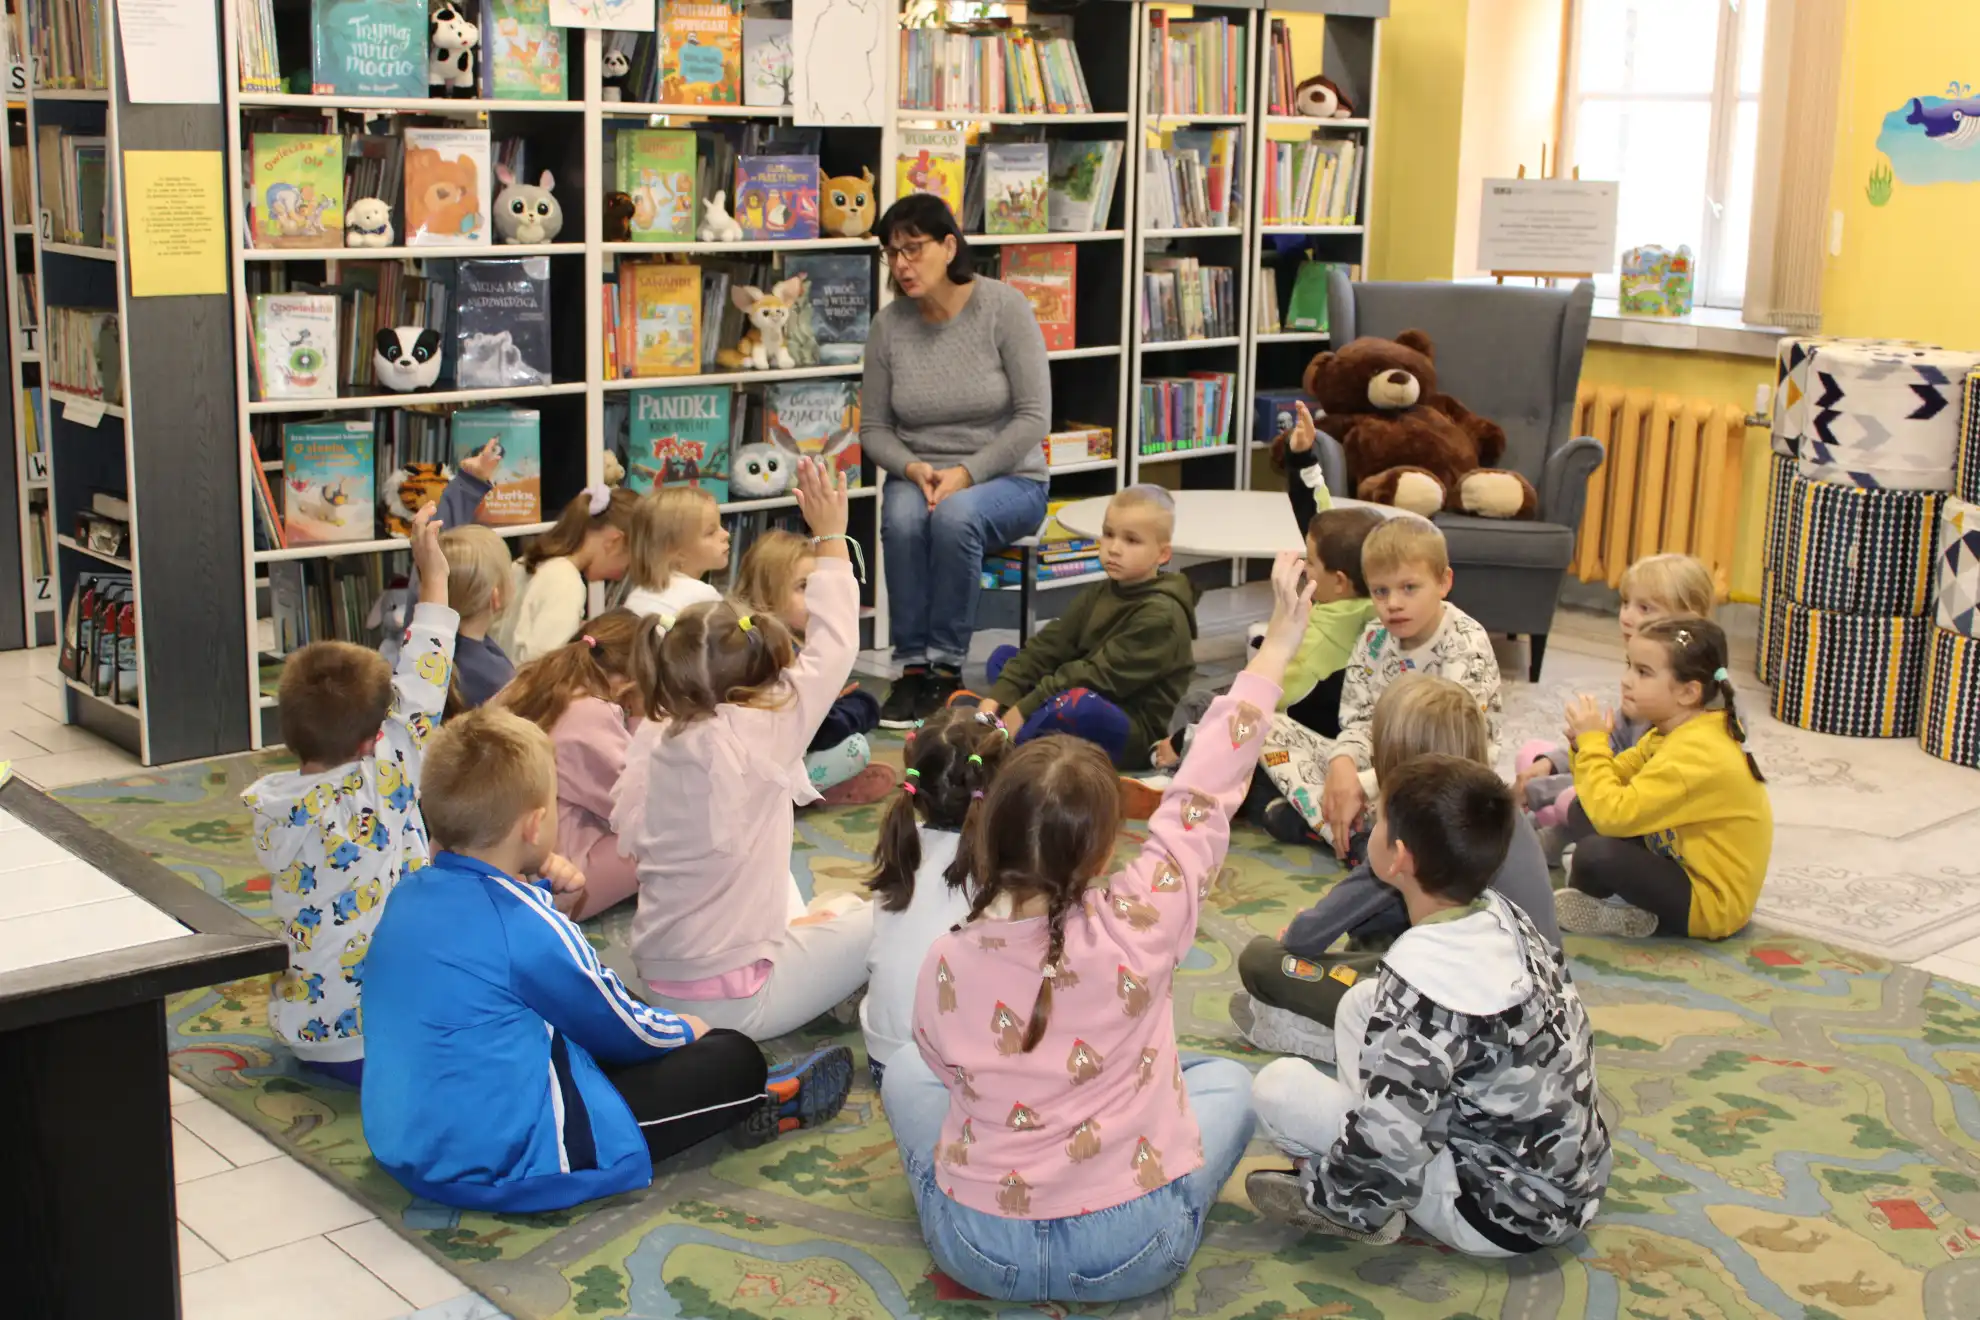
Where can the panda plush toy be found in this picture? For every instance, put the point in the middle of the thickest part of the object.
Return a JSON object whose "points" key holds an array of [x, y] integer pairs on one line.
{"points": [[407, 358]]}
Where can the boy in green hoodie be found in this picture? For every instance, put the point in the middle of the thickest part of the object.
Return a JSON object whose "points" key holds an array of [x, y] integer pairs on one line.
{"points": [[1112, 667]]}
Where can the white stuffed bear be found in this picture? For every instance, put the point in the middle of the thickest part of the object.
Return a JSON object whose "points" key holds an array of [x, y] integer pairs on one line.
{"points": [[368, 223]]}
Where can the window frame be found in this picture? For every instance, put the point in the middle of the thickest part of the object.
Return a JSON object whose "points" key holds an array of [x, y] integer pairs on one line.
{"points": [[1724, 100]]}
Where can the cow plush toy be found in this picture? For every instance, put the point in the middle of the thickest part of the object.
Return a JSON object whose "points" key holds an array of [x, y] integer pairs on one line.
{"points": [[451, 66]]}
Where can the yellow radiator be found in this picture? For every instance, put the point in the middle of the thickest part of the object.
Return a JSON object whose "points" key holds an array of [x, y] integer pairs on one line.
{"points": [[1670, 482]]}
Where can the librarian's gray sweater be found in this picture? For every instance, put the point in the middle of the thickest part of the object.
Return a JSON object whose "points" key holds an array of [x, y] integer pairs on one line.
{"points": [[974, 390]]}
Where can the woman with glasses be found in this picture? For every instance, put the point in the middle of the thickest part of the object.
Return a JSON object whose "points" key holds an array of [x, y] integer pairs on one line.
{"points": [[955, 405]]}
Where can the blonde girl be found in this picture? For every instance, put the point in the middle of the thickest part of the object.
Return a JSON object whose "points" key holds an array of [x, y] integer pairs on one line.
{"points": [[577, 695], [677, 539], [771, 580], [547, 592], [705, 809], [1653, 588]]}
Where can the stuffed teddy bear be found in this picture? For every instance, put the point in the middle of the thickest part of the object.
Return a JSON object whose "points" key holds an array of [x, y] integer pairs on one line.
{"points": [[845, 206], [1320, 97], [619, 210], [1406, 444]]}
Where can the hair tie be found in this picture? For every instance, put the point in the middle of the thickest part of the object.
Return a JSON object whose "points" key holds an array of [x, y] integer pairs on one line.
{"points": [[913, 774], [742, 622], [974, 759], [1720, 673], [975, 793], [589, 641], [597, 498], [907, 787]]}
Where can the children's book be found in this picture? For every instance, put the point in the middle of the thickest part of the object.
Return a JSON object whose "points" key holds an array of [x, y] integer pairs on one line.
{"points": [[1082, 185], [297, 191], [814, 416], [329, 491], [701, 52], [767, 66], [656, 169], [930, 160], [295, 343], [447, 187], [840, 288], [666, 319], [680, 437], [1306, 310], [1014, 185], [502, 323], [524, 57], [368, 47], [1277, 410], [777, 196], [515, 497], [1045, 273]]}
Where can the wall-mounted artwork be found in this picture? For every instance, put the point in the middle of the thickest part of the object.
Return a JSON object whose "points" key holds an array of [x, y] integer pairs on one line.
{"points": [[1931, 139]]}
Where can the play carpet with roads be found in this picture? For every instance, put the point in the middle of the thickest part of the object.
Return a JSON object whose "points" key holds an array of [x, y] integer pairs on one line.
{"points": [[1797, 1134]]}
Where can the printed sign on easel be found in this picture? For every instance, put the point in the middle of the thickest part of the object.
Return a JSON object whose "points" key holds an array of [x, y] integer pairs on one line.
{"points": [[1547, 227]]}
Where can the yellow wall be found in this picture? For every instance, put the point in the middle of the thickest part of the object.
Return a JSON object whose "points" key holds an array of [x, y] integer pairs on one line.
{"points": [[1419, 107], [1512, 49]]}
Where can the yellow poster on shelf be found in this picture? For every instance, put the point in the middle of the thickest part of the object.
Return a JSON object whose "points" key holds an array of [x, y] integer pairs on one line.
{"points": [[177, 230]]}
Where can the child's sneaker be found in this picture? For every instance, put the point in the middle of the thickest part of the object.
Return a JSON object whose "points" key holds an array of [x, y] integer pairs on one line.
{"points": [[1281, 819], [803, 1093], [1280, 1194], [1584, 914], [1278, 1031]]}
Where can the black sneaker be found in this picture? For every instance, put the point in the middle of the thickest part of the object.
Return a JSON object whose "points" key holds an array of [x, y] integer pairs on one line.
{"points": [[903, 705], [941, 684], [1281, 819]]}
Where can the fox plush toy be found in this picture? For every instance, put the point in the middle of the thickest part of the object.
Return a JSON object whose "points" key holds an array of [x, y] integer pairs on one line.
{"points": [[762, 345]]}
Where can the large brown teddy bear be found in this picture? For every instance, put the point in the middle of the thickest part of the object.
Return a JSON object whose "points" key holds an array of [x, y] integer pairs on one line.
{"points": [[1405, 443]]}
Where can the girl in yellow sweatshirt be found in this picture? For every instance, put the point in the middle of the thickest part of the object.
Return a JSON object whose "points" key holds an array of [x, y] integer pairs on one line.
{"points": [[1685, 825]]}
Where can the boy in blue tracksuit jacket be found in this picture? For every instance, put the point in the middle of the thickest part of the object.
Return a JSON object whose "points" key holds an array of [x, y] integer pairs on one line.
{"points": [[506, 1068]]}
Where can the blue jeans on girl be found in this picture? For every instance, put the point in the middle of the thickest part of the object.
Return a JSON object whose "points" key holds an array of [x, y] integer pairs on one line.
{"points": [[1082, 712], [1129, 1250], [935, 559]]}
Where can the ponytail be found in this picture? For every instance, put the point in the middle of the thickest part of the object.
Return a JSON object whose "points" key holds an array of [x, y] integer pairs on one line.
{"points": [[643, 663], [591, 664], [1054, 968], [897, 856], [1737, 728], [950, 761], [1696, 649]]}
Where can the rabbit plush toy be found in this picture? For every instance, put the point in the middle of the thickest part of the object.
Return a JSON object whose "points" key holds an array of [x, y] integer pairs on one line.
{"points": [[527, 213]]}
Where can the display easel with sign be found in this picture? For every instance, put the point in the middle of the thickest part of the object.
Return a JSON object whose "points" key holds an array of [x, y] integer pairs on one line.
{"points": [[1547, 228]]}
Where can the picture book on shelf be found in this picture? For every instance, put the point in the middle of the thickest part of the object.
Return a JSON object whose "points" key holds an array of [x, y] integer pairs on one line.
{"points": [[524, 57], [297, 191], [515, 496], [1045, 274], [777, 196], [447, 187], [656, 169], [1306, 309], [666, 328], [701, 52], [1081, 195], [1014, 185], [839, 286], [812, 416], [368, 47], [930, 160], [680, 437], [502, 323], [767, 66], [295, 342], [329, 489]]}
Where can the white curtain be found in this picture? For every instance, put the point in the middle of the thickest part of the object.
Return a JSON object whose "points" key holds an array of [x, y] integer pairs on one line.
{"points": [[1800, 85]]}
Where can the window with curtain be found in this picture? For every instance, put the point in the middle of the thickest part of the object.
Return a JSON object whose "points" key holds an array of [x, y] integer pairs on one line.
{"points": [[1663, 96]]}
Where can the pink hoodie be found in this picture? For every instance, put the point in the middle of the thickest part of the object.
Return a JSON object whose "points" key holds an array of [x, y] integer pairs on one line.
{"points": [[1096, 1115], [706, 810]]}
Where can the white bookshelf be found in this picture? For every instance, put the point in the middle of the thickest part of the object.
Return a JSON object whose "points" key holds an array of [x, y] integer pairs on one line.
{"points": [[31, 470]]}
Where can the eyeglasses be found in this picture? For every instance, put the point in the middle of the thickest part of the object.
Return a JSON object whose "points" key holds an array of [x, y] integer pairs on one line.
{"points": [[909, 252]]}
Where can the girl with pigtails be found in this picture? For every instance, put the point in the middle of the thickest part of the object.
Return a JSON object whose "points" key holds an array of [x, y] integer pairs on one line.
{"points": [[1685, 826], [1057, 1144], [920, 879]]}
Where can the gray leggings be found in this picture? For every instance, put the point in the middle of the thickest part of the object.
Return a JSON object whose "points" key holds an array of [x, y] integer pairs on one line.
{"points": [[1627, 869]]}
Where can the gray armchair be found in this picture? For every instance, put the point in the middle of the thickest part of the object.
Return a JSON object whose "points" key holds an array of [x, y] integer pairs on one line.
{"points": [[1514, 356]]}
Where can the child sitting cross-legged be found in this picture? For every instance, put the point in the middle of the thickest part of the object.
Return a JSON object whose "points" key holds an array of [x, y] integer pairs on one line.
{"points": [[338, 832], [510, 1070], [1466, 1096], [577, 695], [1113, 666], [677, 539], [771, 580], [1293, 985], [1057, 1144], [1685, 826], [549, 584], [920, 875], [477, 578], [707, 803]]}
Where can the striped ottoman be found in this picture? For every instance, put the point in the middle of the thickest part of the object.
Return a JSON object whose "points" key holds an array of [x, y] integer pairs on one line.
{"points": [[1884, 417], [1857, 675], [1861, 551], [1966, 471], [1949, 725]]}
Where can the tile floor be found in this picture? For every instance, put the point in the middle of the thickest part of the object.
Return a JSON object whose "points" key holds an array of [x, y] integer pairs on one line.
{"points": [[327, 1257]]}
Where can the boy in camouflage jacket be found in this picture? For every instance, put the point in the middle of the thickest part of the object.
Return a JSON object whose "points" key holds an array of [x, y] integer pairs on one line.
{"points": [[1466, 1091]]}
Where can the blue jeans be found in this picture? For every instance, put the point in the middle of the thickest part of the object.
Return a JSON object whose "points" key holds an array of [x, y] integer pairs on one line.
{"points": [[1128, 1250], [935, 559], [1081, 712]]}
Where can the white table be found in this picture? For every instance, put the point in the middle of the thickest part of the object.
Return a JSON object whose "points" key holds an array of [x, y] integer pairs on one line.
{"points": [[1219, 524]]}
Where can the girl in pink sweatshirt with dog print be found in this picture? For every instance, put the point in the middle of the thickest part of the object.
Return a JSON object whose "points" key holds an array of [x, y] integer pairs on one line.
{"points": [[1058, 1146]]}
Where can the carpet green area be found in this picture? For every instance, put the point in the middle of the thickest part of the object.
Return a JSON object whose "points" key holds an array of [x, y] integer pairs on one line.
{"points": [[1797, 1134]]}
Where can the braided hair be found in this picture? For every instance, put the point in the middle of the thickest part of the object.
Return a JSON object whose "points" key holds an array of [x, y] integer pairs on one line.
{"points": [[1697, 651], [1045, 827], [950, 761]]}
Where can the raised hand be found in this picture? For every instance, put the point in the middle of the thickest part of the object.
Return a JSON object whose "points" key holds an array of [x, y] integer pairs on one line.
{"points": [[1303, 434], [821, 496], [428, 558]]}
